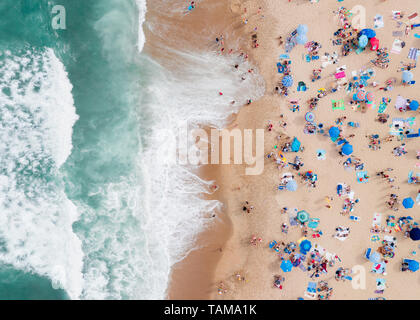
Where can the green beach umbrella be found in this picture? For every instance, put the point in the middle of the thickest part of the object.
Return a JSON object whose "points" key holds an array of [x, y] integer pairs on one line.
{"points": [[303, 216]]}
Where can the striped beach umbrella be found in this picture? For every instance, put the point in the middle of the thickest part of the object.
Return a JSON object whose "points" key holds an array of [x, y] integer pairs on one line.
{"points": [[310, 117], [370, 97], [360, 95]]}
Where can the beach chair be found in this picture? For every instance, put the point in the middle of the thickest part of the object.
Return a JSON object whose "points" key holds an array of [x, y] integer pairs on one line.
{"points": [[311, 290]]}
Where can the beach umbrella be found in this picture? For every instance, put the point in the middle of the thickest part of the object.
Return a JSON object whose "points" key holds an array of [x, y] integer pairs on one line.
{"points": [[292, 185], [302, 29], [413, 265], [301, 39], [287, 81], [408, 203], [334, 132], [305, 246], [360, 95], [400, 102], [370, 97], [375, 257], [295, 145], [310, 117], [363, 41], [407, 76], [369, 33], [414, 105], [347, 149], [302, 216], [415, 234], [286, 266]]}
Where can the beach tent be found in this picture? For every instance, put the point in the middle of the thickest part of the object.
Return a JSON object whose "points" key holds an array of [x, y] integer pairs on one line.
{"points": [[347, 149], [413, 265], [408, 203], [292, 185], [302, 29], [286, 266], [302, 216], [415, 234], [363, 41], [334, 132], [295, 145], [305, 246], [414, 105], [407, 76], [287, 81], [374, 44], [369, 33]]}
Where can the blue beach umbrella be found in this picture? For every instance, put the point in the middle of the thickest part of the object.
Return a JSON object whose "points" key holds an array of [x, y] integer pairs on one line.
{"points": [[407, 76], [375, 257], [413, 265], [414, 105], [292, 185], [415, 234], [347, 149], [301, 39], [286, 266], [287, 81], [368, 33], [408, 203], [334, 132], [363, 41], [305, 246], [302, 29]]}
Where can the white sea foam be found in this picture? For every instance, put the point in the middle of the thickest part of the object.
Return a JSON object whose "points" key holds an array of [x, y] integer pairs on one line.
{"points": [[36, 119], [142, 9]]}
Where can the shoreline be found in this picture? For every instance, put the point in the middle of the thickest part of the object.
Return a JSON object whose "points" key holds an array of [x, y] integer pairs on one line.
{"points": [[194, 276]]}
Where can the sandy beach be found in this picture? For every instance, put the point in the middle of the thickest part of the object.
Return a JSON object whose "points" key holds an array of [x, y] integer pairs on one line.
{"points": [[257, 265]]}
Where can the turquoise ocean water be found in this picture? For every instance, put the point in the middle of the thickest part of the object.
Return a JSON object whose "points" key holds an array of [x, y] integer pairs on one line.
{"points": [[92, 205]]}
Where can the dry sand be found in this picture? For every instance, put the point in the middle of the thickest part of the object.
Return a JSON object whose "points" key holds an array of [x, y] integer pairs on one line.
{"points": [[259, 264]]}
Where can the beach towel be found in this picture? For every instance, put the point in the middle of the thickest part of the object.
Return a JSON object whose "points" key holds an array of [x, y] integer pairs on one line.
{"points": [[361, 177], [379, 268], [292, 217], [311, 290], [378, 21], [397, 34], [375, 238], [396, 46], [338, 104], [377, 219], [321, 154], [382, 107], [413, 54], [313, 223], [340, 75], [355, 218], [380, 285]]}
